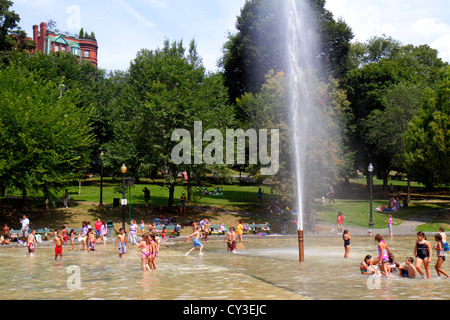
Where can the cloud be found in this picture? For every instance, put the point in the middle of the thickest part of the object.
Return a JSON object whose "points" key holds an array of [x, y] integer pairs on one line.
{"points": [[430, 27], [134, 13], [442, 44]]}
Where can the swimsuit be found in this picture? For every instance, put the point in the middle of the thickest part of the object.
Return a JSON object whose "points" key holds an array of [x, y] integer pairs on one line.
{"points": [[122, 247], [346, 241], [30, 247], [422, 251], [91, 245], [197, 243], [58, 250], [385, 256]]}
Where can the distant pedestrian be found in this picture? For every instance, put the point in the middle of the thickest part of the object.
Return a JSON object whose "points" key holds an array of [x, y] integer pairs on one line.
{"points": [[390, 226], [58, 244], [340, 222], [31, 241], [330, 195], [6, 234], [66, 199], [260, 195], [25, 229], [182, 203], [146, 195], [240, 231]]}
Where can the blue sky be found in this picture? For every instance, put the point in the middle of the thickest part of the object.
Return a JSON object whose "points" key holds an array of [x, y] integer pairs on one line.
{"points": [[123, 27]]}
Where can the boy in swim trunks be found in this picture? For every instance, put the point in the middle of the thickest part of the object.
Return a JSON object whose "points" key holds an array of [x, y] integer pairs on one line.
{"points": [[230, 238], [58, 242], [196, 241], [121, 242], [408, 270]]}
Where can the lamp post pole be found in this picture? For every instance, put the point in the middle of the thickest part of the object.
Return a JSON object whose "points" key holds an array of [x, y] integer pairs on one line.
{"points": [[101, 179], [370, 188], [123, 169]]}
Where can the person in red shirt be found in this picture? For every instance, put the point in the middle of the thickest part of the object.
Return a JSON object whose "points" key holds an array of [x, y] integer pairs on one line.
{"points": [[98, 227], [340, 221]]}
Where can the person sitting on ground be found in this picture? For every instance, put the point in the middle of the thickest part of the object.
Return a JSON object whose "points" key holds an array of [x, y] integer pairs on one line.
{"points": [[367, 266], [392, 264], [408, 270]]}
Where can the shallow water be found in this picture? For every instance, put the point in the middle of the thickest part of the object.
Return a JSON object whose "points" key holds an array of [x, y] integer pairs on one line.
{"points": [[264, 268]]}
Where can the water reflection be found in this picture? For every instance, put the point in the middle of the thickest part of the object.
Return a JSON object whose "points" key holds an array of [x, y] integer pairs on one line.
{"points": [[263, 268]]}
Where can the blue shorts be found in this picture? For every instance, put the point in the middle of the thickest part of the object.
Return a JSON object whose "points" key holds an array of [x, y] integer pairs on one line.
{"points": [[197, 243]]}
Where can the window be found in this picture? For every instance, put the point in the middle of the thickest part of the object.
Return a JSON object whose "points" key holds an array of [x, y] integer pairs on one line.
{"points": [[56, 47], [86, 53], [76, 51], [63, 48]]}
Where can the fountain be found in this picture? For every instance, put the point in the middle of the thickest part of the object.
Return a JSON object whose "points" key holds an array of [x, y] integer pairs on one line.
{"points": [[302, 64]]}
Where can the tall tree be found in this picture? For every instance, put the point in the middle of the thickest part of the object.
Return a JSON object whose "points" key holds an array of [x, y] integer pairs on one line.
{"points": [[45, 139], [167, 89], [260, 45]]}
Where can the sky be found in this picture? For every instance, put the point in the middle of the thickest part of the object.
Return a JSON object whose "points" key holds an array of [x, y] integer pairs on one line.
{"points": [[123, 27]]}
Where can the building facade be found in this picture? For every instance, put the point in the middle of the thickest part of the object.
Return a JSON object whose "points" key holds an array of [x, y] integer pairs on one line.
{"points": [[48, 41]]}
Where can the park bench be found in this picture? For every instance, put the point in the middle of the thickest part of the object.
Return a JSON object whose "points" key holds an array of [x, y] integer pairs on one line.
{"points": [[215, 228], [258, 227]]}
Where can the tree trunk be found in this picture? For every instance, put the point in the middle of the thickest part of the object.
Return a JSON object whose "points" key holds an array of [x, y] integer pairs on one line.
{"points": [[171, 193], [24, 199], [408, 197]]}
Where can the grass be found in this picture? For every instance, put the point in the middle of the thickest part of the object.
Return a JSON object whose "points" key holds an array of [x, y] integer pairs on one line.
{"points": [[238, 202]]}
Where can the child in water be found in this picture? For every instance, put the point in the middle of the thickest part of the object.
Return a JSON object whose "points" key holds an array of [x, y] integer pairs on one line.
{"points": [[408, 270], [346, 237], [58, 243], [383, 254], [367, 267], [121, 242], [196, 241], [423, 252], [439, 246]]}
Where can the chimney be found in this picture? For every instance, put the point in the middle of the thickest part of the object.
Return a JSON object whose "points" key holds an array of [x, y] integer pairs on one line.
{"points": [[42, 37], [35, 36]]}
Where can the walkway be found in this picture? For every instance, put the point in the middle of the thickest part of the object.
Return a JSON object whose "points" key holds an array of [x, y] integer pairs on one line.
{"points": [[405, 229]]}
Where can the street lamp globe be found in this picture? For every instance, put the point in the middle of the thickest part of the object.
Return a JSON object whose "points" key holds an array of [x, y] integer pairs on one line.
{"points": [[370, 168], [123, 169]]}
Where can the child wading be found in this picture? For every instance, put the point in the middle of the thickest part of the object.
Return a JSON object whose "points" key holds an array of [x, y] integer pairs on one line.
{"points": [[440, 255], [121, 242], [196, 241], [230, 238], [58, 243]]}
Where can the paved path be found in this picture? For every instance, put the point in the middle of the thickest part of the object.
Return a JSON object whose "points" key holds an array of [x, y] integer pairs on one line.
{"points": [[405, 229]]}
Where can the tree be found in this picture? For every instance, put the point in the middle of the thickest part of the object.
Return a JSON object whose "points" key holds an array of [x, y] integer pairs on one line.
{"points": [[45, 139], [427, 146], [260, 45], [384, 92], [166, 89], [8, 22], [326, 158]]}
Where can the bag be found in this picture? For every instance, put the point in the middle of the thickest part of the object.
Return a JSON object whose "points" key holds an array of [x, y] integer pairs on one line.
{"points": [[446, 247]]}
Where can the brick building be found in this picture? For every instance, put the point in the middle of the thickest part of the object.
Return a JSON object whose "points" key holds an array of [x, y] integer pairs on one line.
{"points": [[48, 41]]}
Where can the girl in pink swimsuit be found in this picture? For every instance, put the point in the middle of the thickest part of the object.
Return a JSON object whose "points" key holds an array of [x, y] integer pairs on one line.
{"points": [[383, 254], [145, 252]]}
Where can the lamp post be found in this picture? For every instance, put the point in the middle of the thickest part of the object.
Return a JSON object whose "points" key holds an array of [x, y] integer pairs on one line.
{"points": [[123, 169], [370, 168], [101, 179]]}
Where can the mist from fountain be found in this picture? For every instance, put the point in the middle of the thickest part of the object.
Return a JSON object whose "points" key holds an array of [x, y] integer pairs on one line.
{"points": [[302, 43]]}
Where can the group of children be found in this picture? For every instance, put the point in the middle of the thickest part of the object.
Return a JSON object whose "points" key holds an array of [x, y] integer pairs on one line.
{"points": [[385, 264]]}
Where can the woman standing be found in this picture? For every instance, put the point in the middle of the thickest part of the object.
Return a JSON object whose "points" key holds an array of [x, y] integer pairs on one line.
{"points": [[423, 251], [347, 238], [240, 230]]}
